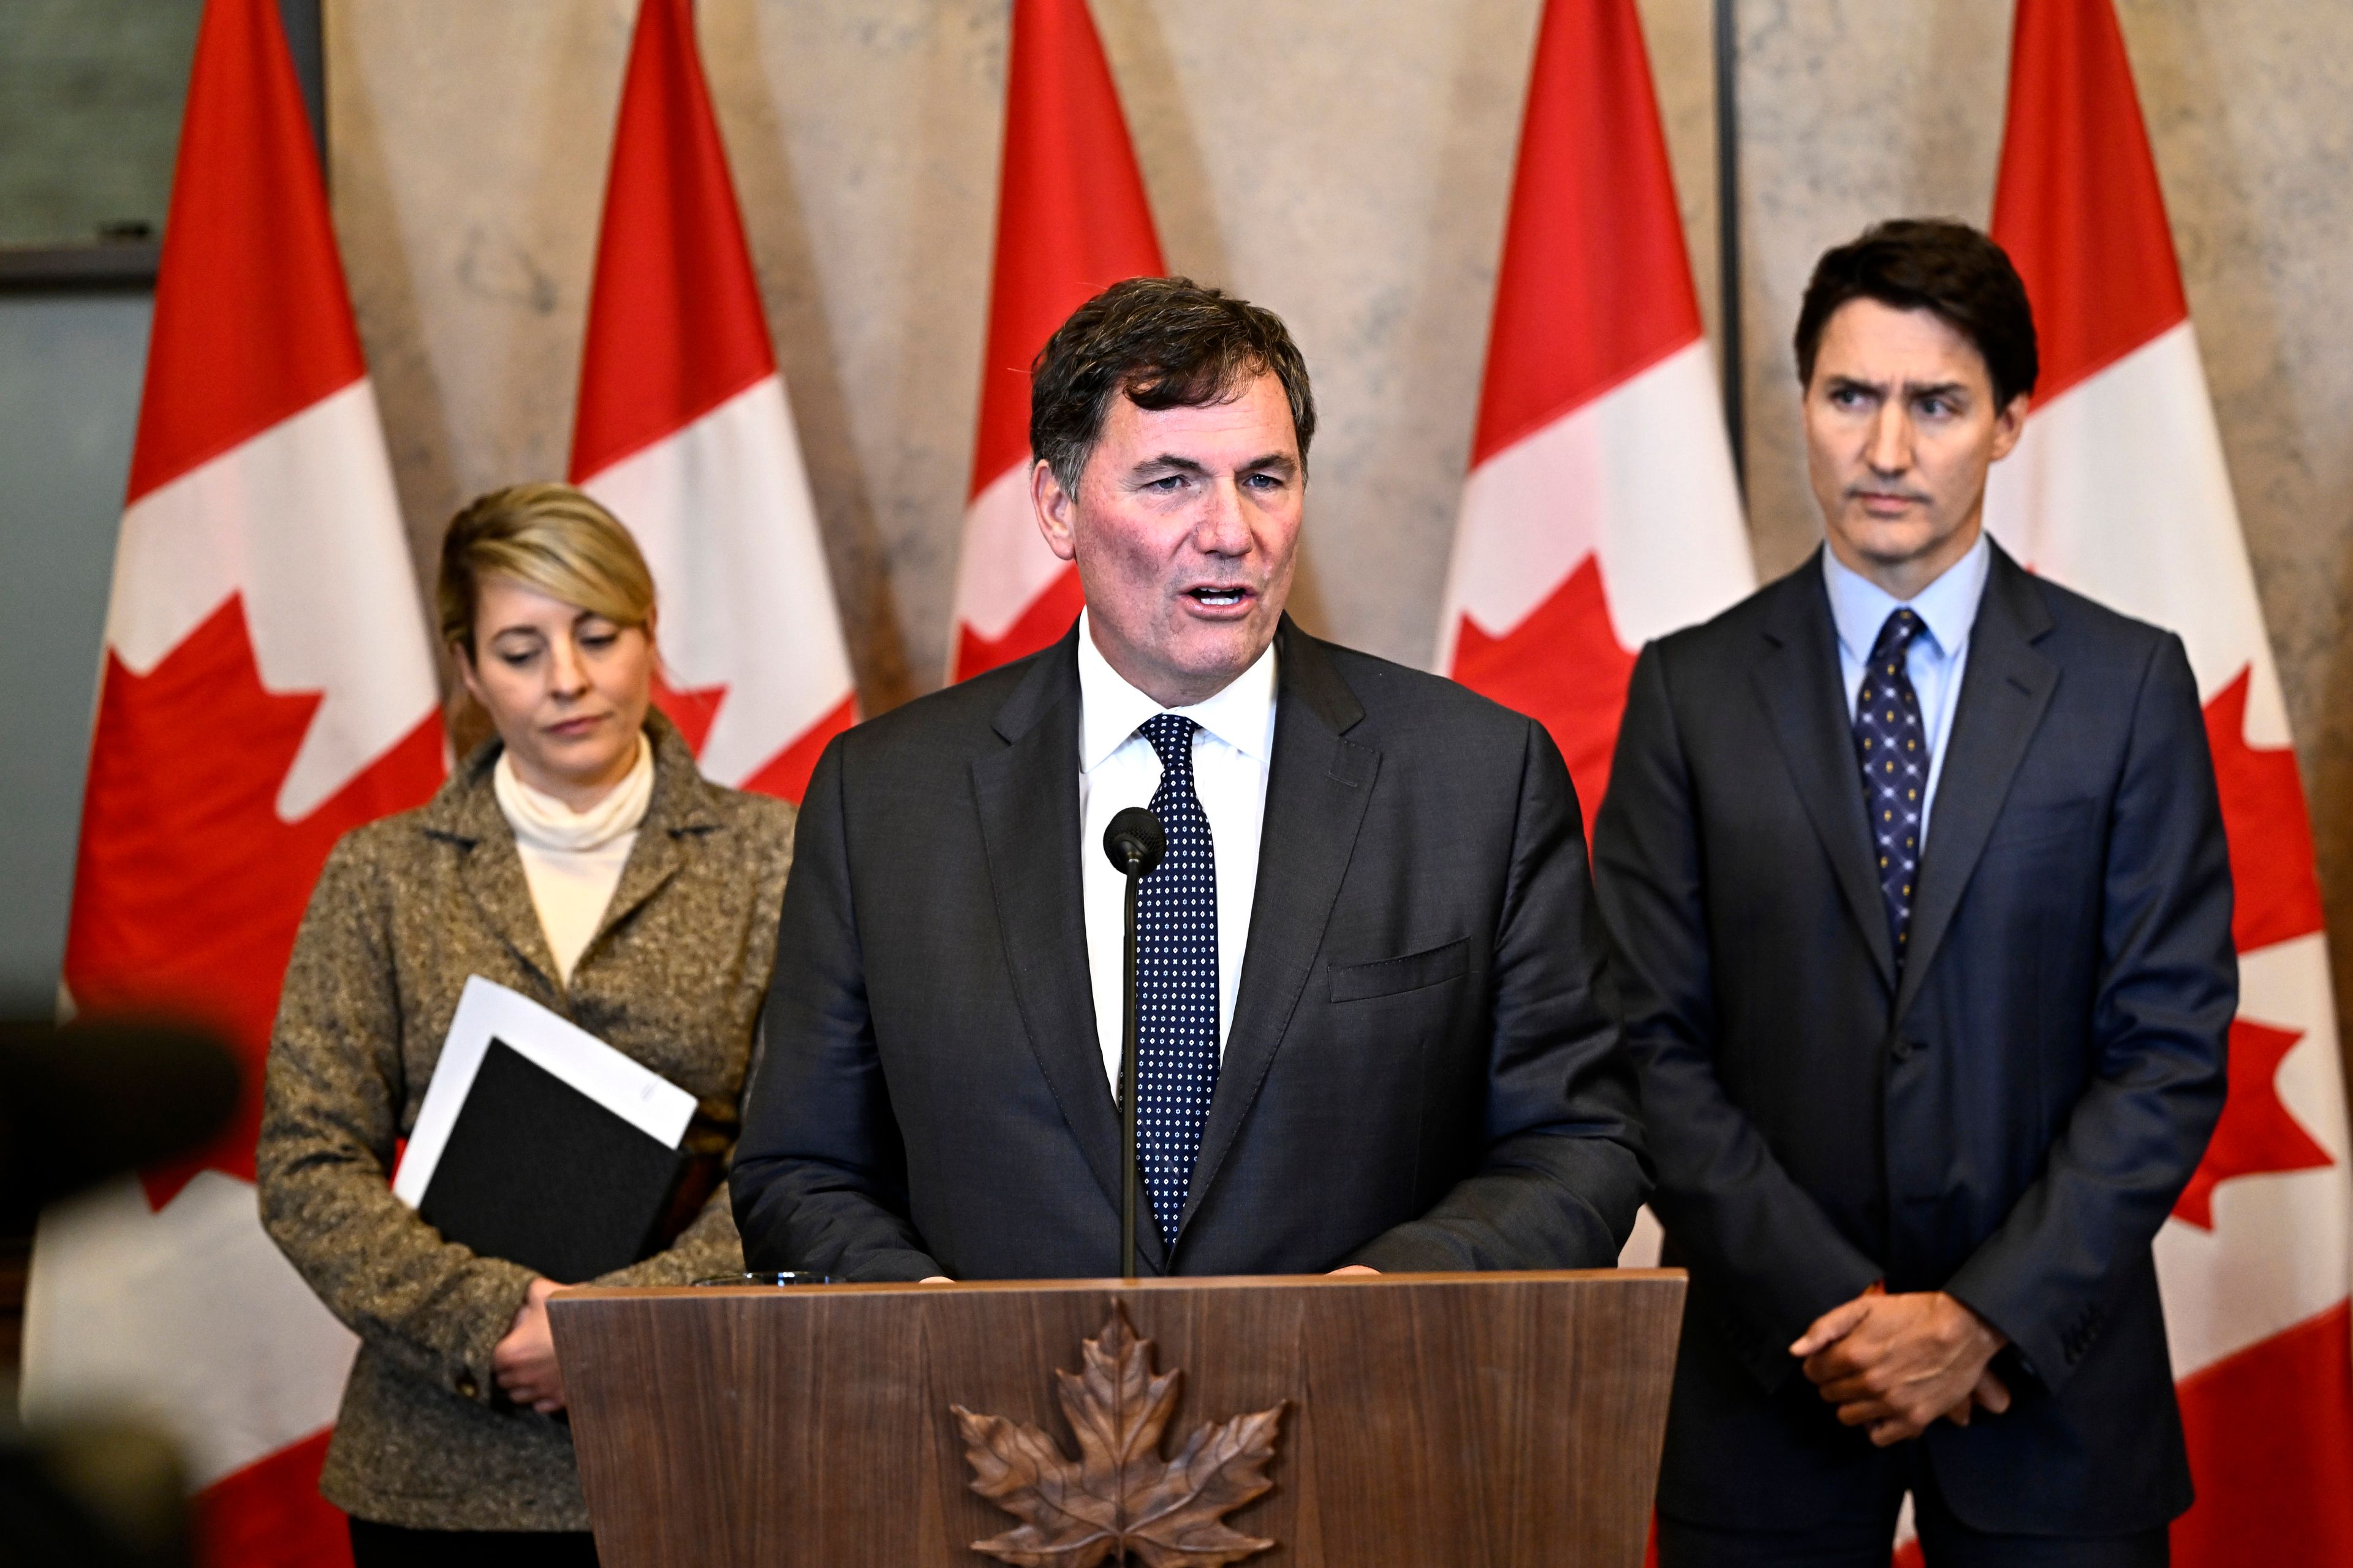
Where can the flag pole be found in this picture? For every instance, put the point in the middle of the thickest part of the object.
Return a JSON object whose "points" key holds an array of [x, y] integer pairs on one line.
{"points": [[306, 41], [1727, 229]]}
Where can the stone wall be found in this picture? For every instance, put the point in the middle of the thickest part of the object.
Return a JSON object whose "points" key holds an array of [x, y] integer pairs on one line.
{"points": [[1347, 165]]}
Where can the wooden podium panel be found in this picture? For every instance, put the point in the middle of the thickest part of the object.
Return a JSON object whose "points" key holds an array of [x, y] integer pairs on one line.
{"points": [[1432, 1421]]}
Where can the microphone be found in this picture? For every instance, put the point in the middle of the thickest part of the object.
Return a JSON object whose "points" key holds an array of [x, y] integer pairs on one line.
{"points": [[1136, 843]]}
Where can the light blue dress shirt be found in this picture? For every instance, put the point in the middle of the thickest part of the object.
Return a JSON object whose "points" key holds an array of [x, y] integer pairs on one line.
{"points": [[1948, 606]]}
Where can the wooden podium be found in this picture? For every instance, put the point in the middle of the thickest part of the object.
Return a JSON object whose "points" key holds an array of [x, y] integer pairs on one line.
{"points": [[1414, 1421]]}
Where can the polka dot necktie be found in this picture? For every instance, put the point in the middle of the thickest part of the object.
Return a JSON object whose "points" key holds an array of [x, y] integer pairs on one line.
{"points": [[1175, 980], [1892, 744]]}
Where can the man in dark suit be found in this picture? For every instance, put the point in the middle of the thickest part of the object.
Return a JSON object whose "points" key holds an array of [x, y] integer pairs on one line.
{"points": [[1369, 964], [1921, 915]]}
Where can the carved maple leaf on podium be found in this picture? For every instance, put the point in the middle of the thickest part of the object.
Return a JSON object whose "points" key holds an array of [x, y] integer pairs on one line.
{"points": [[1120, 1498]]}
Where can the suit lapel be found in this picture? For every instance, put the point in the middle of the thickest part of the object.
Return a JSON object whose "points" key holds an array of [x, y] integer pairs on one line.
{"points": [[490, 869], [679, 808], [1028, 797], [1318, 785], [1800, 683], [653, 860], [2004, 691]]}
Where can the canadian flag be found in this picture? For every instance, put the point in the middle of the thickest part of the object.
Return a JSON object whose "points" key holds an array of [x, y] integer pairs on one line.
{"points": [[1601, 510], [2118, 489], [268, 684], [1070, 221], [683, 432]]}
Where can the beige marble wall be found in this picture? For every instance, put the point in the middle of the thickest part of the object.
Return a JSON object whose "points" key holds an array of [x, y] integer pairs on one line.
{"points": [[1347, 165]]}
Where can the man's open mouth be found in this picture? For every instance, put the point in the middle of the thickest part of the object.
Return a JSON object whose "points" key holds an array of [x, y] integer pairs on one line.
{"points": [[1220, 598]]}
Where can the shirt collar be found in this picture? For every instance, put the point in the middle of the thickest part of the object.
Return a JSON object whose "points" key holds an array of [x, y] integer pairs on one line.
{"points": [[1110, 709], [547, 823], [1948, 606]]}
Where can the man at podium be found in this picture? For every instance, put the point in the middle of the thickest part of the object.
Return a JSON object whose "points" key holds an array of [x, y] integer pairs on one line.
{"points": [[1368, 962]]}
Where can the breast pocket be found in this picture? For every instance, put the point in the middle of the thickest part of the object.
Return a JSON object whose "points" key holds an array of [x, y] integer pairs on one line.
{"points": [[1392, 976], [2042, 823]]}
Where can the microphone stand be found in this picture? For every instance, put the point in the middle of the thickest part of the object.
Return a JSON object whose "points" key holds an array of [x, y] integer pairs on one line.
{"points": [[1127, 1065], [1134, 842]]}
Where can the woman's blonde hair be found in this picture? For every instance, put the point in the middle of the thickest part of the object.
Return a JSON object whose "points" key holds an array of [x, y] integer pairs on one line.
{"points": [[549, 537]]}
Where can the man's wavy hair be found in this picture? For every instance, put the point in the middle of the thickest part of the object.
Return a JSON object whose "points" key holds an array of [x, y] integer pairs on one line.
{"points": [[1938, 265], [1165, 342]]}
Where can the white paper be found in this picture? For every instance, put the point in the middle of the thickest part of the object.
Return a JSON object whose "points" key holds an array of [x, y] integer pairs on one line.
{"points": [[488, 1011]]}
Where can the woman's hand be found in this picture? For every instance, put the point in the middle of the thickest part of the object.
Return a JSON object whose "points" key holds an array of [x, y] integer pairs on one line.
{"points": [[524, 1362]]}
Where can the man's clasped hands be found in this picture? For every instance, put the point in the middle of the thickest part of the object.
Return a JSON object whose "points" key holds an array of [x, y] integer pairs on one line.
{"points": [[1894, 1363]]}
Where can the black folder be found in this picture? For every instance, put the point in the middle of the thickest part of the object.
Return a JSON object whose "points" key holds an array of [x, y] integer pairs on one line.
{"points": [[538, 1173]]}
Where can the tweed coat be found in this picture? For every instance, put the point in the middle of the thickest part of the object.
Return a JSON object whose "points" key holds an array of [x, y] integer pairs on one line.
{"points": [[405, 909]]}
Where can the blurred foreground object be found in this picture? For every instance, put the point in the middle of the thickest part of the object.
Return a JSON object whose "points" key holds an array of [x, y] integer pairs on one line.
{"points": [[77, 1105], [95, 1494], [86, 1101]]}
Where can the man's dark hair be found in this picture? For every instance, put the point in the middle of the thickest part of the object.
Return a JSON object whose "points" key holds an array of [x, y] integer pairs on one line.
{"points": [[1930, 264], [1166, 342]]}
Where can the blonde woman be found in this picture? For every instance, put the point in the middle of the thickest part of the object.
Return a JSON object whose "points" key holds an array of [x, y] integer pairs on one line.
{"points": [[579, 857]]}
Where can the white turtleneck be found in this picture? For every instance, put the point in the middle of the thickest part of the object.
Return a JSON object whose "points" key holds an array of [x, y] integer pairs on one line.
{"points": [[573, 859]]}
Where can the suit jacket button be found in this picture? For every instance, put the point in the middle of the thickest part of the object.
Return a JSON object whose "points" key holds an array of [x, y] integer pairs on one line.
{"points": [[1902, 1049], [466, 1387]]}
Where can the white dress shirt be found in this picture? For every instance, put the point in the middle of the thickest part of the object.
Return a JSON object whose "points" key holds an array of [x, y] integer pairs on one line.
{"points": [[1118, 768], [1948, 608]]}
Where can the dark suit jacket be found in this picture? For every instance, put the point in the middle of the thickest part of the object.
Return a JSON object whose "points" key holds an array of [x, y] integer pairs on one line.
{"points": [[1420, 1073], [2009, 1120]]}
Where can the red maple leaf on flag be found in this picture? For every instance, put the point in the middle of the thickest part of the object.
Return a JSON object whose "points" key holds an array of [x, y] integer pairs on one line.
{"points": [[1050, 615], [2277, 898], [2271, 867], [189, 887], [2256, 1135], [1563, 667], [693, 711], [784, 775]]}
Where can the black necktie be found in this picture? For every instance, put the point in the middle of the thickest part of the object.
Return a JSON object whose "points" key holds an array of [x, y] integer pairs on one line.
{"points": [[1892, 744], [1175, 980]]}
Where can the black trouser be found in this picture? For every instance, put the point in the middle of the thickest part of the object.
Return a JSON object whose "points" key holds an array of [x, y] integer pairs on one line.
{"points": [[377, 1545], [1863, 1541]]}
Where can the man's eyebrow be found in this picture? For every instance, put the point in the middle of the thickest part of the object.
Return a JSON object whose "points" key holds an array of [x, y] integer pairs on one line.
{"points": [[1169, 462], [1910, 389]]}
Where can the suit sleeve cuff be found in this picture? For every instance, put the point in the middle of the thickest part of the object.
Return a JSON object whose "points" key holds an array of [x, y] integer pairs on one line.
{"points": [[1396, 1252], [896, 1266], [1760, 1327], [503, 1288], [2047, 1346]]}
